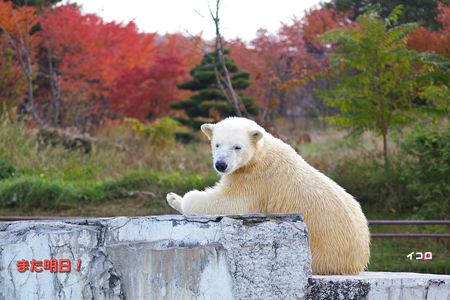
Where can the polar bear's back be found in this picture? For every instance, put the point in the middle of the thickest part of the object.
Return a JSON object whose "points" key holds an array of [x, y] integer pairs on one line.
{"points": [[338, 229]]}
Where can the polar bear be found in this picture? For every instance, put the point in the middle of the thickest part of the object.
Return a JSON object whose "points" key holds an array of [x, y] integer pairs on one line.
{"points": [[261, 173]]}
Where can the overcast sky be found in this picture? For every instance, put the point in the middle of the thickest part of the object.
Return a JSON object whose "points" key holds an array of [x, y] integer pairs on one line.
{"points": [[239, 18]]}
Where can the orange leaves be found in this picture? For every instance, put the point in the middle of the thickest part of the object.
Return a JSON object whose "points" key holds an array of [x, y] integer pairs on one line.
{"points": [[98, 64], [92, 49], [185, 48], [15, 21], [319, 21], [11, 16], [113, 63], [288, 59], [423, 39]]}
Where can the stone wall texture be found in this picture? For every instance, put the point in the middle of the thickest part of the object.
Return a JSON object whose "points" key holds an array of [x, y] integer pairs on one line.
{"points": [[380, 286], [158, 257], [185, 257]]}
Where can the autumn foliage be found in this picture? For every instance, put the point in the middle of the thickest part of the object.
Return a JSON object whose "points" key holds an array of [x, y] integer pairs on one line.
{"points": [[147, 90], [283, 64], [87, 71], [101, 70], [423, 39], [12, 81]]}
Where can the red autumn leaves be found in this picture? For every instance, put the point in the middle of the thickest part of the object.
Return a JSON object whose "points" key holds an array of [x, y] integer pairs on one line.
{"points": [[107, 70]]}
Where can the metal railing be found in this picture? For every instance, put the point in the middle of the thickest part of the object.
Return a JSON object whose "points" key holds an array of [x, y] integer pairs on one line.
{"points": [[13, 218], [403, 253], [397, 256]]}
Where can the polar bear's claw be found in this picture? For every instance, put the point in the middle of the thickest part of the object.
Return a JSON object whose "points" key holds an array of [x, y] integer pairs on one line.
{"points": [[174, 201]]}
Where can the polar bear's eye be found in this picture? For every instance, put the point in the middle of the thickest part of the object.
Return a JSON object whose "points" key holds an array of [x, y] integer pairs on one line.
{"points": [[237, 147], [217, 145]]}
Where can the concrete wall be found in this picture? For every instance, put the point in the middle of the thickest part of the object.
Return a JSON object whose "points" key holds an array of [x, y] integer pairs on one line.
{"points": [[186, 257], [166, 257], [380, 286]]}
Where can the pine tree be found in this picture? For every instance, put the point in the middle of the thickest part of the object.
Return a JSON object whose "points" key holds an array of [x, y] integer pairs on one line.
{"points": [[423, 11], [209, 101]]}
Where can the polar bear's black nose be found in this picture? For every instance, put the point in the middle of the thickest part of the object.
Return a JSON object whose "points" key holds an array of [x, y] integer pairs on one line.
{"points": [[221, 166]]}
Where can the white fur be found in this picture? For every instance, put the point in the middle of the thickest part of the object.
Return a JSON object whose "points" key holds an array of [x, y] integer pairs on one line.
{"points": [[267, 175]]}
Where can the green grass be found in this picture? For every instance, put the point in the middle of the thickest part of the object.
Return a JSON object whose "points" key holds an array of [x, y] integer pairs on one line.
{"points": [[124, 175], [37, 178], [27, 192], [400, 251], [46, 176], [382, 260]]}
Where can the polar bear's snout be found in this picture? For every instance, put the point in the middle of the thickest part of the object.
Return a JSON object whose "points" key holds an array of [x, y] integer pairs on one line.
{"points": [[224, 159], [221, 166]]}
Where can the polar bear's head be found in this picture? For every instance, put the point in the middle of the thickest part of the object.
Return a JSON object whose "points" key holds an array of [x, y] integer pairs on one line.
{"points": [[234, 142]]}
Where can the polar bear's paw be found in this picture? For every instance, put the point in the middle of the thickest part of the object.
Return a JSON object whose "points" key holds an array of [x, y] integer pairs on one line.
{"points": [[174, 201]]}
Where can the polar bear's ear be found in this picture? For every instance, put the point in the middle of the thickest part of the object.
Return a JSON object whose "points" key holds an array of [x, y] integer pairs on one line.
{"points": [[208, 130], [256, 135]]}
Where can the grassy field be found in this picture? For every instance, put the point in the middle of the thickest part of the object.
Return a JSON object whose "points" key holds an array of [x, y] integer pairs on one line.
{"points": [[123, 175], [127, 176]]}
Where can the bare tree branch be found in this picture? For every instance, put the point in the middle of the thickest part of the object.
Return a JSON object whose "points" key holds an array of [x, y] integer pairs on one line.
{"points": [[219, 50], [232, 97], [23, 53], [55, 79]]}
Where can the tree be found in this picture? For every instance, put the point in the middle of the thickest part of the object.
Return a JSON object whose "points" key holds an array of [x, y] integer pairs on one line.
{"points": [[377, 76], [12, 82], [422, 39], [423, 11], [210, 101], [283, 62], [16, 24], [259, 65], [145, 92], [89, 55], [436, 81], [35, 3], [318, 21], [82, 71], [230, 95]]}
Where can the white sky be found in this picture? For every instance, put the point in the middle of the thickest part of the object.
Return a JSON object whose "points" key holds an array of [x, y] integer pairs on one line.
{"points": [[239, 18]]}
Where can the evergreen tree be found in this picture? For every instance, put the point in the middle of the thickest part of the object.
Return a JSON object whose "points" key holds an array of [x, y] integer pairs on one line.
{"points": [[209, 101], [423, 11], [36, 3]]}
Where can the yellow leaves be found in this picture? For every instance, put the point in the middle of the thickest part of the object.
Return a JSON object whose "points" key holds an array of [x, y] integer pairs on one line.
{"points": [[12, 17], [159, 134], [138, 126]]}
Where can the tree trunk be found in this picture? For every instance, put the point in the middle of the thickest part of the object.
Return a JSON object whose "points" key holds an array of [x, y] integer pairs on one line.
{"points": [[219, 50], [387, 165], [25, 61]]}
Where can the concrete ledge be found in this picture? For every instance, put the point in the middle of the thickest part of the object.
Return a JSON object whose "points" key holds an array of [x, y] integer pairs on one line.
{"points": [[159, 257], [380, 285], [187, 257]]}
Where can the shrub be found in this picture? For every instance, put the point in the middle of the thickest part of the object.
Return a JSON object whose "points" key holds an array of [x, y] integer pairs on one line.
{"points": [[39, 192], [7, 170], [365, 178], [160, 133], [429, 173], [30, 191]]}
